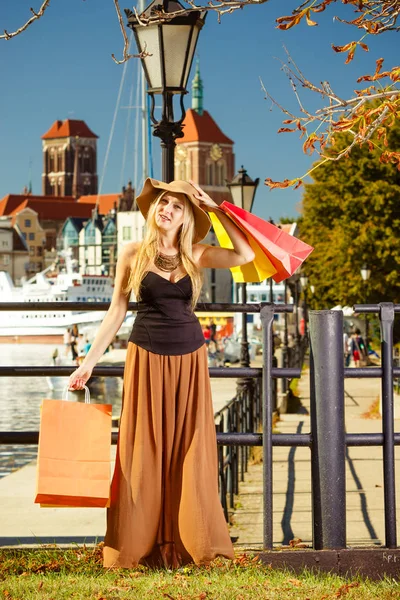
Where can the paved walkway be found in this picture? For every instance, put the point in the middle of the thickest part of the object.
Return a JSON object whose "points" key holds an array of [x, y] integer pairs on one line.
{"points": [[292, 508]]}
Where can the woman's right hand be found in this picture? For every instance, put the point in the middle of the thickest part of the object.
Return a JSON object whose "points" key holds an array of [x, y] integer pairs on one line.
{"points": [[79, 377]]}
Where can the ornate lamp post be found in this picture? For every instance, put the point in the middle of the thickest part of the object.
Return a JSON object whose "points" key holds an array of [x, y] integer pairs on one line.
{"points": [[168, 46], [366, 274], [243, 190]]}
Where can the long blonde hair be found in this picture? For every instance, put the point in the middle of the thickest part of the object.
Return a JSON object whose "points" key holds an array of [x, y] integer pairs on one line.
{"points": [[148, 249]]}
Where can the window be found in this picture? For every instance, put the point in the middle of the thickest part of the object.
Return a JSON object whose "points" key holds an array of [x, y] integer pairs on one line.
{"points": [[31, 236], [4, 244], [263, 297], [90, 233], [60, 161], [6, 259], [39, 251], [27, 222], [221, 173], [127, 233], [210, 173], [32, 251]]}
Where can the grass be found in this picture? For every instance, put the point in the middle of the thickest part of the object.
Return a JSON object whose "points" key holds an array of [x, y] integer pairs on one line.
{"points": [[55, 574]]}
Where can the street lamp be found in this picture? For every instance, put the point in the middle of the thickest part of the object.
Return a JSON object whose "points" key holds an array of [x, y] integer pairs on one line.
{"points": [[365, 274], [243, 190], [168, 46], [304, 284]]}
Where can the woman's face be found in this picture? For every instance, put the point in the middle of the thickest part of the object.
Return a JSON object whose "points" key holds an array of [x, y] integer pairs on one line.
{"points": [[170, 212]]}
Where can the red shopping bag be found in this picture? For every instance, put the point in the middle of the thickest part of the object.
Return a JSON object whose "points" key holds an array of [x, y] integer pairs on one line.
{"points": [[284, 251], [73, 465]]}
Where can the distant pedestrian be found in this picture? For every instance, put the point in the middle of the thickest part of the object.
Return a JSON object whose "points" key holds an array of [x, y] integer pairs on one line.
{"points": [[346, 349], [358, 350], [67, 341], [74, 343]]}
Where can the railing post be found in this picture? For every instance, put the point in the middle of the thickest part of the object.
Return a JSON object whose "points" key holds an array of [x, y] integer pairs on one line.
{"points": [[386, 320], [328, 450], [267, 318]]}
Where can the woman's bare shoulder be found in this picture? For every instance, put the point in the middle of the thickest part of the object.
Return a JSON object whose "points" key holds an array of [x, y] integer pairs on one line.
{"points": [[129, 250], [197, 250]]}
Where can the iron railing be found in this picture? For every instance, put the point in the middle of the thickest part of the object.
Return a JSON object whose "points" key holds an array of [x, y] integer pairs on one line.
{"points": [[327, 439]]}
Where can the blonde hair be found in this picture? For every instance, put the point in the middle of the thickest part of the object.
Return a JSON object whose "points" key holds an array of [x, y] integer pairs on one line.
{"points": [[148, 249]]}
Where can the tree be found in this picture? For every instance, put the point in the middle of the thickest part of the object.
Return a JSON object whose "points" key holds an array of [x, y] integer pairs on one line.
{"points": [[351, 215]]}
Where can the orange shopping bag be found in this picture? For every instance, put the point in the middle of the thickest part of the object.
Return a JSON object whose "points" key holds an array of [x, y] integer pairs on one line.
{"points": [[73, 466], [284, 251]]}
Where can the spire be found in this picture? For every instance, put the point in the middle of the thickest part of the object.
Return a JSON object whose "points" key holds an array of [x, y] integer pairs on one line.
{"points": [[197, 90]]}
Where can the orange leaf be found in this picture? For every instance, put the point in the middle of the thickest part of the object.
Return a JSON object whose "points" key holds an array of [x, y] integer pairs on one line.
{"points": [[279, 184], [364, 46], [350, 55], [309, 21], [298, 184], [342, 48], [285, 129]]}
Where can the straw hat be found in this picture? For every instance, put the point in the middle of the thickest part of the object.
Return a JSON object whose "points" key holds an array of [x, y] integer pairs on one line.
{"points": [[151, 190]]}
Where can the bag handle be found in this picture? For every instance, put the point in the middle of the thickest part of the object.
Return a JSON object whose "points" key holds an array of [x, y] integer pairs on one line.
{"points": [[87, 394]]}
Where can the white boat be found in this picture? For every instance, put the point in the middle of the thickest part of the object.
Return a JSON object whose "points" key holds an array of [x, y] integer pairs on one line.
{"points": [[67, 286]]}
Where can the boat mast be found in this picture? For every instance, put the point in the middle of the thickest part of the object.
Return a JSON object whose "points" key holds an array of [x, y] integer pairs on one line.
{"points": [[144, 115]]}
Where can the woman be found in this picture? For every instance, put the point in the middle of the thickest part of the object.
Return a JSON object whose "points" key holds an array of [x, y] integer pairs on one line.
{"points": [[164, 507]]}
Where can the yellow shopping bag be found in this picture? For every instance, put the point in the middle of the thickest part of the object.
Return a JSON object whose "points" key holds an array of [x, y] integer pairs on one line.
{"points": [[257, 270]]}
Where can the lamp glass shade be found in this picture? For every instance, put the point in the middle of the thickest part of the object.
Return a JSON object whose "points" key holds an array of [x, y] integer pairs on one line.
{"points": [[243, 194], [170, 45], [365, 272], [178, 42], [147, 39]]}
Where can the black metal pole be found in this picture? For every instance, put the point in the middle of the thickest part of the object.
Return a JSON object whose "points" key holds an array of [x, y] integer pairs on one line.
{"points": [[267, 318], [328, 450], [387, 319], [285, 344], [168, 154], [244, 354]]}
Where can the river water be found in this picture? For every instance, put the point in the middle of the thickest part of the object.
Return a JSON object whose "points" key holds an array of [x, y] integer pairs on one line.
{"points": [[20, 398]]}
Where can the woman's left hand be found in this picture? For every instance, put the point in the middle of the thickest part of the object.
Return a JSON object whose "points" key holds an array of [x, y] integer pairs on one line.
{"points": [[206, 203]]}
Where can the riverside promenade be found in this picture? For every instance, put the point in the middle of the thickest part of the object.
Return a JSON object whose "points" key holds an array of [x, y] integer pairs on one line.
{"points": [[25, 523]]}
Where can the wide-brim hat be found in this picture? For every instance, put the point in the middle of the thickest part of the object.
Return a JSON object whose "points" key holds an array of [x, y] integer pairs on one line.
{"points": [[153, 187]]}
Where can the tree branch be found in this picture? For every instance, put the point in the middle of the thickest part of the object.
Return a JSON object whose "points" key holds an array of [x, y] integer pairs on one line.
{"points": [[36, 15]]}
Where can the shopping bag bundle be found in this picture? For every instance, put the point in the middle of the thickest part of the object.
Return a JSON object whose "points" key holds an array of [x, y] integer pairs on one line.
{"points": [[277, 254], [73, 466]]}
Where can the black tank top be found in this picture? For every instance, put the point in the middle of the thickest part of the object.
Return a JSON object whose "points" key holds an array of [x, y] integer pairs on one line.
{"points": [[165, 322]]}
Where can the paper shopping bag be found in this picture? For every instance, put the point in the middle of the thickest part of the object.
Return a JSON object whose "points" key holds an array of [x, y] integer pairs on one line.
{"points": [[257, 270], [284, 251], [73, 466]]}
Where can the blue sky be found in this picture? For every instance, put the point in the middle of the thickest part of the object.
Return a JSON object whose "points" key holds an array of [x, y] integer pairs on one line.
{"points": [[61, 68]]}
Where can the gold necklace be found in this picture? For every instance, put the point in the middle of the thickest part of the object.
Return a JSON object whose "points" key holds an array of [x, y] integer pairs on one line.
{"points": [[167, 263]]}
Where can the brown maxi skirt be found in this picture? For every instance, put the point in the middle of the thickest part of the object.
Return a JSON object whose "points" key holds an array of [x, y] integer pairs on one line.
{"points": [[165, 509]]}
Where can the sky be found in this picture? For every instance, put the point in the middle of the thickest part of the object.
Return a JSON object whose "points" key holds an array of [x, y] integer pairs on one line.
{"points": [[61, 67]]}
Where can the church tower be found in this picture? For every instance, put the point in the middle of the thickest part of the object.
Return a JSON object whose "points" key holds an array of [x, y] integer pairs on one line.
{"points": [[69, 159], [204, 153]]}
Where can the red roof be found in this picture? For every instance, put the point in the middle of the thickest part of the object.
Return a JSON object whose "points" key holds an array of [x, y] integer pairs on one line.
{"points": [[69, 128], [106, 201], [55, 208], [201, 128], [11, 201]]}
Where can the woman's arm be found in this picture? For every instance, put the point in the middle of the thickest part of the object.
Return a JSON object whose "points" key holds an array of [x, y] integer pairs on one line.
{"points": [[111, 322], [214, 256]]}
